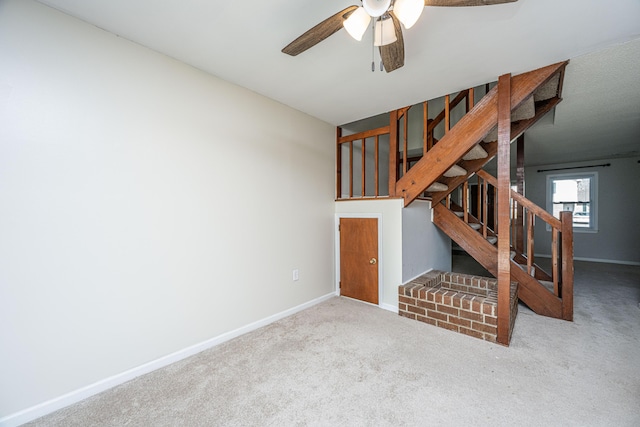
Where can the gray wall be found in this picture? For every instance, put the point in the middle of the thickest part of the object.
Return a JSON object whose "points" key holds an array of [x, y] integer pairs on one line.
{"points": [[618, 235], [424, 246]]}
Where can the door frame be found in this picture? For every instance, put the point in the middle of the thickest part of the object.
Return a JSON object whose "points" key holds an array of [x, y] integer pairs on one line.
{"points": [[378, 216]]}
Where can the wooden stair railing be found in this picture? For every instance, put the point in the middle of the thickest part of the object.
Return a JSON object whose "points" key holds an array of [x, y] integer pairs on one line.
{"points": [[469, 131], [349, 142], [561, 275], [549, 294]]}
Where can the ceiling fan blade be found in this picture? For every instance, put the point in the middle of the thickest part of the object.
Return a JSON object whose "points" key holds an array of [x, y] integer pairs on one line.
{"points": [[454, 3], [318, 33], [393, 54]]}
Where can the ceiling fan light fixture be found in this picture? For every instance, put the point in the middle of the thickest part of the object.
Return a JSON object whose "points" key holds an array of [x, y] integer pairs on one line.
{"points": [[376, 8], [408, 11], [357, 23], [385, 32]]}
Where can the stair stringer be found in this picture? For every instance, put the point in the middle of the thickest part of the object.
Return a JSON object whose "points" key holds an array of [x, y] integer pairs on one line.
{"points": [[530, 291], [469, 131]]}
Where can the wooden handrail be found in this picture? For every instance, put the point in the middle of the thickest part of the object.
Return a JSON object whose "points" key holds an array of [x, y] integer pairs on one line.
{"points": [[364, 134], [528, 204]]}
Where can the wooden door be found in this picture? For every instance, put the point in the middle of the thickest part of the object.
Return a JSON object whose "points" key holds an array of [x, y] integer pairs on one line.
{"points": [[359, 258]]}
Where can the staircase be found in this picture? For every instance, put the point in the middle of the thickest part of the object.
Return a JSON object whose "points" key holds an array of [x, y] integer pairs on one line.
{"points": [[503, 242], [465, 148]]}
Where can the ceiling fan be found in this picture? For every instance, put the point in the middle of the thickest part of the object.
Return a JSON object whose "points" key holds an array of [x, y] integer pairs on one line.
{"points": [[388, 15]]}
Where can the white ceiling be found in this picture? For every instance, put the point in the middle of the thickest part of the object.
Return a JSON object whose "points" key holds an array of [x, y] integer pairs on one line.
{"points": [[449, 49]]}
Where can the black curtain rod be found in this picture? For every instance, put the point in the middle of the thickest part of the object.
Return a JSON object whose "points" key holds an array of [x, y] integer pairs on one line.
{"points": [[604, 165]]}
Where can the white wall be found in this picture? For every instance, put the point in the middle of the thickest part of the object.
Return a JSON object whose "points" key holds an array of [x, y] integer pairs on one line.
{"points": [[145, 206], [390, 254], [618, 235], [424, 246], [411, 243]]}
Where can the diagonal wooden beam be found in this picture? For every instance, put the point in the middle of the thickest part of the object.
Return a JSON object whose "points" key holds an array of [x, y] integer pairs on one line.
{"points": [[467, 132]]}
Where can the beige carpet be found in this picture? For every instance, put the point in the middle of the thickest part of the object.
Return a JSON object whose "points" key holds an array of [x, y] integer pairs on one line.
{"points": [[346, 363]]}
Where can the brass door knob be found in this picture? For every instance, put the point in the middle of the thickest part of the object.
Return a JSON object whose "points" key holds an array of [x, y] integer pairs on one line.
{"points": [[373, 261]]}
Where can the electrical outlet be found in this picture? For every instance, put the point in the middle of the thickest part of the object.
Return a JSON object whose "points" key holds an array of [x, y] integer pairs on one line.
{"points": [[296, 275]]}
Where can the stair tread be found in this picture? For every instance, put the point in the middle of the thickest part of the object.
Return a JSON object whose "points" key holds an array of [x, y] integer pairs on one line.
{"points": [[526, 110], [477, 152], [475, 225], [547, 90], [492, 239], [437, 186], [524, 268], [455, 170], [459, 214], [548, 285]]}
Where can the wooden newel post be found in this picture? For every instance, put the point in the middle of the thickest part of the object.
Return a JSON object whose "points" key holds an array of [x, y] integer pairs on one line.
{"points": [[504, 195], [566, 218]]}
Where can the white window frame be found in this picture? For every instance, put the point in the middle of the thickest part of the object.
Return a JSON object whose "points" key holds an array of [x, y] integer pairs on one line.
{"points": [[593, 198]]}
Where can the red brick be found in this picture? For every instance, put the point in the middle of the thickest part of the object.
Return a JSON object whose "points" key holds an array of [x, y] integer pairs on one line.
{"points": [[426, 320], [471, 333], [488, 309], [448, 326], [409, 315], [448, 310], [425, 304], [457, 301], [471, 316], [416, 310], [437, 297], [476, 306], [430, 296], [490, 338], [465, 303], [484, 328], [407, 300], [490, 320], [446, 298], [422, 293], [436, 315], [402, 307], [459, 321]]}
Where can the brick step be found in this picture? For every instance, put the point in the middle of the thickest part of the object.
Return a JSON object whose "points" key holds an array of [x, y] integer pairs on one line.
{"points": [[457, 302]]}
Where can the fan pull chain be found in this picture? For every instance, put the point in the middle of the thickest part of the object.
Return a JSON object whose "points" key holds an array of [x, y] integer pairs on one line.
{"points": [[373, 47]]}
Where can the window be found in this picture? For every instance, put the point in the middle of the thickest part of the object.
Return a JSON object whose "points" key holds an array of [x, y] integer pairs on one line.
{"points": [[576, 193]]}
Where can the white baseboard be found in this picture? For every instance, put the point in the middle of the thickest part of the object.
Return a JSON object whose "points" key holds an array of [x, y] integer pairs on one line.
{"points": [[75, 396], [606, 261], [389, 307]]}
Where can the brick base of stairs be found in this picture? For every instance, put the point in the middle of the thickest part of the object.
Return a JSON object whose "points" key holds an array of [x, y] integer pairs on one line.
{"points": [[457, 302]]}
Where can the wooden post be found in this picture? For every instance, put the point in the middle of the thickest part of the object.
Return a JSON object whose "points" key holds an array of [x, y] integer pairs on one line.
{"points": [[377, 167], [350, 169], [393, 152], [425, 126], [363, 171], [519, 220], [338, 163], [566, 218], [405, 148], [465, 201], [504, 181], [447, 114]]}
